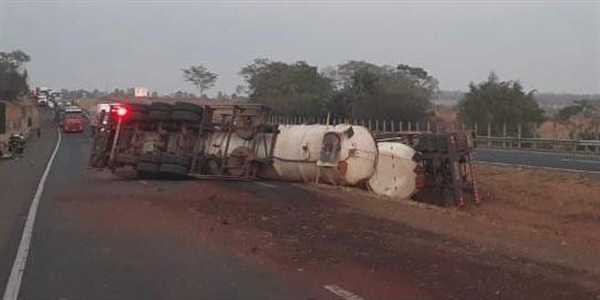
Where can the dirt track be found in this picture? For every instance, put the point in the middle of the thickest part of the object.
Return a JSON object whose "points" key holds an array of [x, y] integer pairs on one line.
{"points": [[542, 242]]}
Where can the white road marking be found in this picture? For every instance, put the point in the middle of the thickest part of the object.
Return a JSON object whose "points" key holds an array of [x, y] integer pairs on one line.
{"points": [[265, 184], [582, 160], [342, 292], [534, 167], [144, 182], [16, 274]]}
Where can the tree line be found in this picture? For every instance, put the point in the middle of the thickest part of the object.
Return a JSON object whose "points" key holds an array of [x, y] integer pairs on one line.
{"points": [[352, 90], [356, 89], [13, 75], [359, 90]]}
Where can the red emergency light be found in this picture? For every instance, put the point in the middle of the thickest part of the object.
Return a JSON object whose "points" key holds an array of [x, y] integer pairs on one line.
{"points": [[121, 111]]}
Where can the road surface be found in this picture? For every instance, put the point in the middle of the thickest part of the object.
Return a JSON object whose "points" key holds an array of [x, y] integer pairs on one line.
{"points": [[18, 182], [75, 254], [556, 161]]}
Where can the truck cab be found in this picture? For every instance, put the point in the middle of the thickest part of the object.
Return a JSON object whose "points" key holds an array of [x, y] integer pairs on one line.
{"points": [[72, 119]]}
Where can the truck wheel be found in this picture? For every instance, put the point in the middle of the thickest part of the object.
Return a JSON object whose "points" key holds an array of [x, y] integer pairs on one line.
{"points": [[138, 111], [185, 116], [173, 170], [137, 115], [139, 107], [160, 106], [188, 107], [147, 169], [150, 158], [159, 115]]}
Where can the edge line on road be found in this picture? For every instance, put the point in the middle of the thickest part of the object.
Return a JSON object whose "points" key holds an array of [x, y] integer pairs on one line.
{"points": [[16, 274], [585, 161], [537, 152], [342, 292], [536, 167], [265, 184]]}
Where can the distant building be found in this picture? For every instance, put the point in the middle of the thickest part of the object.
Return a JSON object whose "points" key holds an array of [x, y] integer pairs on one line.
{"points": [[138, 92]]}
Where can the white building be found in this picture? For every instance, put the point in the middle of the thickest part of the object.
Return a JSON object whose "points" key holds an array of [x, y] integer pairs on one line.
{"points": [[139, 92]]}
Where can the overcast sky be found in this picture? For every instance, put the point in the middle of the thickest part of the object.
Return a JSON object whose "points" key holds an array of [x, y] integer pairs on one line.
{"points": [[549, 46]]}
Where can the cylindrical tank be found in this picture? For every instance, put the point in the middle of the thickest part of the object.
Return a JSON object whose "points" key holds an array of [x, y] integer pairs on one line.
{"points": [[394, 175], [216, 143], [296, 155]]}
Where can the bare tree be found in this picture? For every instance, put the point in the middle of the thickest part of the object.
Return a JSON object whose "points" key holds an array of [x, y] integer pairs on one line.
{"points": [[200, 77]]}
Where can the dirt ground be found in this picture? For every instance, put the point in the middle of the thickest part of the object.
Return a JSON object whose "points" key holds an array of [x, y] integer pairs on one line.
{"points": [[535, 236], [88, 103], [562, 205]]}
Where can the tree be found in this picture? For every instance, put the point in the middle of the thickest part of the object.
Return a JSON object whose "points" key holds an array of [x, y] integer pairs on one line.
{"points": [[294, 89], [200, 77], [582, 118], [13, 76], [496, 103], [118, 93], [366, 90], [14, 60], [355, 89]]}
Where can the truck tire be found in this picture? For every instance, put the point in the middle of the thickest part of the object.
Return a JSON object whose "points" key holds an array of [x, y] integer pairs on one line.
{"points": [[151, 158], [173, 170], [159, 115], [137, 116], [160, 106], [176, 160], [147, 169], [188, 107], [138, 112], [139, 107], [185, 116]]}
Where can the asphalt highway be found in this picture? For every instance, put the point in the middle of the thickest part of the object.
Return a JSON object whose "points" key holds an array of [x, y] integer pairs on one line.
{"points": [[18, 182], [90, 241], [551, 161]]}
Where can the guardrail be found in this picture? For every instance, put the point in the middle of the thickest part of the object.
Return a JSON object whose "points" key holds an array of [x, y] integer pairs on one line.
{"points": [[537, 144], [383, 127]]}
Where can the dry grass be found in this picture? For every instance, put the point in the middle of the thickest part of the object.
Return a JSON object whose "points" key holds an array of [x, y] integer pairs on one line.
{"points": [[88, 103], [563, 204]]}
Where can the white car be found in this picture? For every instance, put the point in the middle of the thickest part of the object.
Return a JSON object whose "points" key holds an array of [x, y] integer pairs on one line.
{"points": [[42, 101]]}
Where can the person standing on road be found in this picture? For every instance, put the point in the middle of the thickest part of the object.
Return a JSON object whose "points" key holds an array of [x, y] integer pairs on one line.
{"points": [[57, 116]]}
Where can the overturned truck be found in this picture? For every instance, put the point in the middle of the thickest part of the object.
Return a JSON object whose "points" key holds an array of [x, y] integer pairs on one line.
{"points": [[228, 141], [236, 141]]}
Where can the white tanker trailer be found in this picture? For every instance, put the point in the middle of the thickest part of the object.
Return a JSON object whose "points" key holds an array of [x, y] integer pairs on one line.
{"points": [[341, 154], [183, 139]]}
